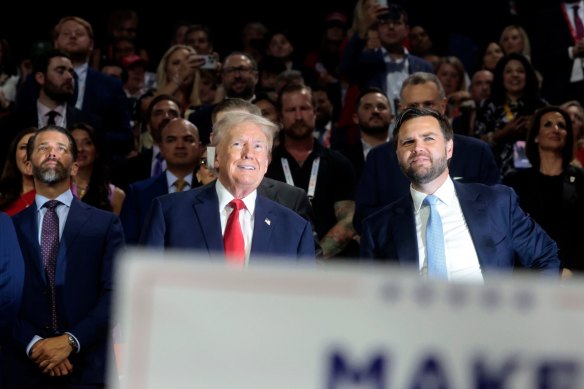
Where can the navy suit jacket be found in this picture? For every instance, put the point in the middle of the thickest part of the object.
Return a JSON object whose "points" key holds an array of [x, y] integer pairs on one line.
{"points": [[11, 272], [367, 68], [139, 196], [84, 284], [104, 97], [382, 181], [500, 230], [190, 220]]}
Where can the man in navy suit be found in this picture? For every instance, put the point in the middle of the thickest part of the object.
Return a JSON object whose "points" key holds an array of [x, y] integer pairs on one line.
{"points": [[197, 219], [96, 93], [54, 75], [61, 334], [382, 181], [181, 149], [11, 272], [483, 228]]}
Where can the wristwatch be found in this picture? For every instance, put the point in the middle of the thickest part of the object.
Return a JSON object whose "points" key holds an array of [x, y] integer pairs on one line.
{"points": [[72, 342]]}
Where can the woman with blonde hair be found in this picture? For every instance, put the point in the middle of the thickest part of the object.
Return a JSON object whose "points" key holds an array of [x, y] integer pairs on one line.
{"points": [[514, 39], [178, 75]]}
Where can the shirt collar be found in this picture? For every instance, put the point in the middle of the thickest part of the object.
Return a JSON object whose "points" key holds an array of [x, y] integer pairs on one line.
{"points": [[445, 194], [81, 70], [65, 198], [43, 110], [225, 197], [171, 178]]}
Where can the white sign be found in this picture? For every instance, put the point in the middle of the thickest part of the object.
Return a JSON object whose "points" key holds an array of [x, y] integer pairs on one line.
{"points": [[188, 324]]}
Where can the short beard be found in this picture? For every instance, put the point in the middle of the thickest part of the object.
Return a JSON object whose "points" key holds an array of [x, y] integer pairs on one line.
{"points": [[59, 97], [51, 176], [426, 175], [299, 130]]}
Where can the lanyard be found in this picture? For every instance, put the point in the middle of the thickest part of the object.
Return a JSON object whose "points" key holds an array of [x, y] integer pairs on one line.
{"points": [[313, 175]]}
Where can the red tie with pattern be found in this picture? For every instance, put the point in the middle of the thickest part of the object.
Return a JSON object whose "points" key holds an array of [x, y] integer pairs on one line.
{"points": [[233, 237], [49, 252]]}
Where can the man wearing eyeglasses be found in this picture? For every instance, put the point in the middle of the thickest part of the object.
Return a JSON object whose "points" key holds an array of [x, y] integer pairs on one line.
{"points": [[240, 77], [181, 149]]}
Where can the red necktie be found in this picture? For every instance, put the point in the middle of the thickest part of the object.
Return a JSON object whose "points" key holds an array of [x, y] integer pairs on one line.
{"points": [[578, 23], [233, 237]]}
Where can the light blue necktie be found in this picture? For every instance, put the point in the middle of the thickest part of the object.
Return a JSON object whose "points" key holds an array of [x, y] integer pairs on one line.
{"points": [[435, 241]]}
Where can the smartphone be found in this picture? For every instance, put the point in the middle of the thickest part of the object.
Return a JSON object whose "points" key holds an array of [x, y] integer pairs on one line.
{"points": [[210, 61]]}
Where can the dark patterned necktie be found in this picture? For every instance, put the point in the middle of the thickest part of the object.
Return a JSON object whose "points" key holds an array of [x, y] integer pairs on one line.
{"points": [[52, 115], [49, 252]]}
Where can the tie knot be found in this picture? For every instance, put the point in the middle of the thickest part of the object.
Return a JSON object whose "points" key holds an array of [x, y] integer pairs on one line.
{"points": [[236, 204], [52, 204], [52, 115], [180, 184], [431, 200]]}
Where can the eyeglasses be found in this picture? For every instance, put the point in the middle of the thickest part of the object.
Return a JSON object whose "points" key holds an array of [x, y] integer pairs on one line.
{"points": [[241, 69]]}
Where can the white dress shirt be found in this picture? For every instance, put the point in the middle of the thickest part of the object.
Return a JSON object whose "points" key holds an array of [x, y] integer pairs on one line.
{"points": [[462, 261], [60, 119], [246, 216]]}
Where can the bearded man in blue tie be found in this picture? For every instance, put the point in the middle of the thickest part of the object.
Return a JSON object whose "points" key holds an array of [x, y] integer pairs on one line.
{"points": [[449, 230]]}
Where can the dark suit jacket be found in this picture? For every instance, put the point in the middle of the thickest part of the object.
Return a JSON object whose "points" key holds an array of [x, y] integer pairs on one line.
{"points": [[367, 68], [383, 182], [11, 272], [501, 232], [202, 118], [132, 170], [190, 220], [104, 98], [289, 196], [139, 197], [84, 284], [551, 58], [558, 209], [12, 124]]}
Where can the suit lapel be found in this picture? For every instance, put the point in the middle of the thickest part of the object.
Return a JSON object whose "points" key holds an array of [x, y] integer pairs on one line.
{"points": [[75, 223], [206, 206], [28, 221], [405, 232], [262, 226], [475, 212]]}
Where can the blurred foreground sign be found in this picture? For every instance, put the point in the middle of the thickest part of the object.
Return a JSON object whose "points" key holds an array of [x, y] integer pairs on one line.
{"points": [[188, 324]]}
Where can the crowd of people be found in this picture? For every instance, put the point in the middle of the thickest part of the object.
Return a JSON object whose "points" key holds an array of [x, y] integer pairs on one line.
{"points": [[372, 146]]}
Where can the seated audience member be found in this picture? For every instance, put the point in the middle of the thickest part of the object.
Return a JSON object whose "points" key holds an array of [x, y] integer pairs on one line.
{"points": [[229, 216], [552, 190], [206, 173], [181, 149], [382, 181], [447, 230], [92, 184], [17, 184]]}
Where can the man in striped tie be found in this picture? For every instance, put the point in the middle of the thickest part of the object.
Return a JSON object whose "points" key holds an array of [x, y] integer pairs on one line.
{"points": [[445, 229]]}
